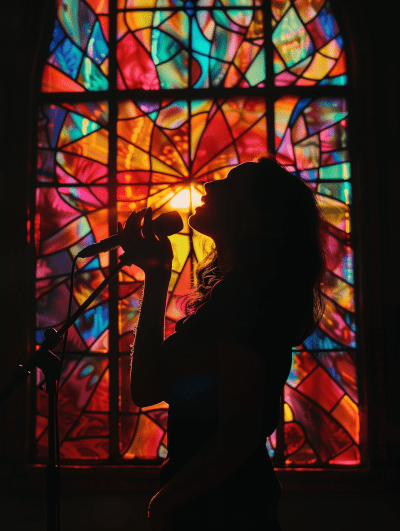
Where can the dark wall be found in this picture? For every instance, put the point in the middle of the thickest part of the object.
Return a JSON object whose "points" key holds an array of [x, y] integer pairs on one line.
{"points": [[25, 32], [375, 116], [376, 138]]}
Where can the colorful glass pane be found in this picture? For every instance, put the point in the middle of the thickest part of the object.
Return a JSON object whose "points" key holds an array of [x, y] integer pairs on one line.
{"points": [[68, 219], [74, 147], [305, 132], [321, 392], [311, 138], [308, 46], [187, 4], [72, 150], [223, 48], [73, 143], [83, 405], [143, 431], [78, 59]]}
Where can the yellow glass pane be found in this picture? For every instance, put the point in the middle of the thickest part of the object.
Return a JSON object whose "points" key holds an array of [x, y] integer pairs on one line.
{"points": [[319, 67], [347, 413], [139, 19], [335, 212], [136, 131], [131, 157], [93, 146]]}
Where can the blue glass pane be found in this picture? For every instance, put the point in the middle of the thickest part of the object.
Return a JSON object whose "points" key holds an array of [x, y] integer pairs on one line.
{"points": [[93, 323], [320, 341], [67, 57], [58, 36]]}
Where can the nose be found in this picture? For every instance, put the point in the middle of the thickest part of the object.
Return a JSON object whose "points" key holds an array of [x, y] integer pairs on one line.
{"points": [[207, 186]]}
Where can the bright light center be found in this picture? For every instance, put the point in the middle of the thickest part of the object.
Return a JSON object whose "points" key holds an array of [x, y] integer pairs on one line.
{"points": [[182, 199], [196, 198]]}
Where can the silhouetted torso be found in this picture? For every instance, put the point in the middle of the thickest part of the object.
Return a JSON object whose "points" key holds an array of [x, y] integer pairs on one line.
{"points": [[247, 500]]}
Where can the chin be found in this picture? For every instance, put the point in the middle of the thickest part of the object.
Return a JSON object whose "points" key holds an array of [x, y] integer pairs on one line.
{"points": [[192, 221], [199, 223]]}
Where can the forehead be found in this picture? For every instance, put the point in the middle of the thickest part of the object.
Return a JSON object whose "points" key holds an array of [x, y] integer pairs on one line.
{"points": [[241, 174]]}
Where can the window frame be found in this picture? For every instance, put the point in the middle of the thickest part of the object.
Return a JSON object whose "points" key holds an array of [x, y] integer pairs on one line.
{"points": [[357, 217]]}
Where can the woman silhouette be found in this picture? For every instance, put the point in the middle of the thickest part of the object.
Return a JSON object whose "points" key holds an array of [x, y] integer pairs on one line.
{"points": [[223, 370]]}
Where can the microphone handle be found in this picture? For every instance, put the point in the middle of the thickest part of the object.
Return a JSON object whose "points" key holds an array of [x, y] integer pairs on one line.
{"points": [[105, 245], [168, 223]]}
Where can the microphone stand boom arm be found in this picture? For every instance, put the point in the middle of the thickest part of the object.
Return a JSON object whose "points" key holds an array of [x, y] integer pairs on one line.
{"points": [[52, 338]]}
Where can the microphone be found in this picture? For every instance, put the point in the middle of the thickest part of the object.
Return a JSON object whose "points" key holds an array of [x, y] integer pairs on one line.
{"points": [[164, 225]]}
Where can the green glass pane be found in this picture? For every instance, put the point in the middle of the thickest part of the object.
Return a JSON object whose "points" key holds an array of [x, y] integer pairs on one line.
{"points": [[337, 190], [337, 171], [291, 39]]}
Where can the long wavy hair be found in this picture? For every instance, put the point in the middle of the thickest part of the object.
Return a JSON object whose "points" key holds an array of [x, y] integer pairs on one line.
{"points": [[294, 223]]}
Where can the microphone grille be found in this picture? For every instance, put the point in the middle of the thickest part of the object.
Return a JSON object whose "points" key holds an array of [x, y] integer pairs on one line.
{"points": [[168, 223]]}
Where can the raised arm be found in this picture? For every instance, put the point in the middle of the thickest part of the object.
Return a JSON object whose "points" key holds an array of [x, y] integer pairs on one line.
{"points": [[154, 256]]}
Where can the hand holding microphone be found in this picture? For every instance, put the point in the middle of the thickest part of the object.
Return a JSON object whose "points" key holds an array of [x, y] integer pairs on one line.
{"points": [[141, 245], [147, 246]]}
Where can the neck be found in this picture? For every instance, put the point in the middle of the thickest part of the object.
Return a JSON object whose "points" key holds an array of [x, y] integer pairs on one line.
{"points": [[226, 256], [250, 256]]}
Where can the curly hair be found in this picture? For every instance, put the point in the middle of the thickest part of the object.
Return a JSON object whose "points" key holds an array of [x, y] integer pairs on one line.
{"points": [[293, 220]]}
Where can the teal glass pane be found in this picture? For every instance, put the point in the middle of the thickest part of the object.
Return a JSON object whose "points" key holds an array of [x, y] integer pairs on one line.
{"points": [[337, 171], [228, 48], [338, 190], [152, 50]]}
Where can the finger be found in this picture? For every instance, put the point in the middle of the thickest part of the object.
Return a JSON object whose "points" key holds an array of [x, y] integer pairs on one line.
{"points": [[147, 230], [139, 221], [120, 231], [133, 224], [130, 220], [133, 219], [121, 236]]}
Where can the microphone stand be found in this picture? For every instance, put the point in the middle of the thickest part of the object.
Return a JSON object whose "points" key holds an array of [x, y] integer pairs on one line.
{"points": [[50, 365]]}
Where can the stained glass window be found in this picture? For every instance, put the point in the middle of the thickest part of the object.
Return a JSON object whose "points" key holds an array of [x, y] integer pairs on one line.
{"points": [[142, 101]]}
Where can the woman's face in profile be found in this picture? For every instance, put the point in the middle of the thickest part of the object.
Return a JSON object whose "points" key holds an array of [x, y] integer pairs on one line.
{"points": [[224, 203]]}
